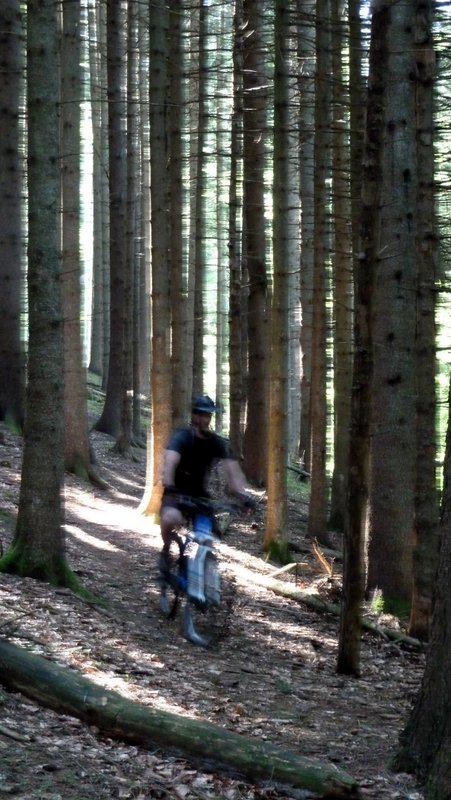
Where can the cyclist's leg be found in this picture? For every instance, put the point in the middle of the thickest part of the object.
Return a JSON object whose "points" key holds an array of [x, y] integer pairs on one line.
{"points": [[171, 520]]}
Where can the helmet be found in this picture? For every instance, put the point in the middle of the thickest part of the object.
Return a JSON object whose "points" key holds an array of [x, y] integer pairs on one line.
{"points": [[203, 404]]}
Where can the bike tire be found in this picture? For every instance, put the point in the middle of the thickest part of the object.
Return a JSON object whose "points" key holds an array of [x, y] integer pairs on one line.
{"points": [[172, 579]]}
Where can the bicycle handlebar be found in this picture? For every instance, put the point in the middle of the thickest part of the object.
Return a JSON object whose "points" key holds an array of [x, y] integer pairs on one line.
{"points": [[193, 504]]}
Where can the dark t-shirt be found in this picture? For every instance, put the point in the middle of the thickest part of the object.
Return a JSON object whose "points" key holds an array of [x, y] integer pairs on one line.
{"points": [[197, 455]]}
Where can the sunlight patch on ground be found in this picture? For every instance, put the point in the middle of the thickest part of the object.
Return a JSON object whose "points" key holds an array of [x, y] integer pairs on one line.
{"points": [[294, 633], [155, 698], [109, 516], [93, 541]]}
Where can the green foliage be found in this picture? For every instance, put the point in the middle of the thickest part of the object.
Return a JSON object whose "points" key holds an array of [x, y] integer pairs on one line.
{"points": [[381, 604], [297, 488], [12, 424], [377, 602]]}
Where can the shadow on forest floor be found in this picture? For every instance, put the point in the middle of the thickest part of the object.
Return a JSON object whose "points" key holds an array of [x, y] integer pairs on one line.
{"points": [[271, 677]]}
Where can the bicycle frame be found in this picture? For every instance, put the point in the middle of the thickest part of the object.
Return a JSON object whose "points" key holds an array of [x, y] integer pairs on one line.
{"points": [[196, 576]]}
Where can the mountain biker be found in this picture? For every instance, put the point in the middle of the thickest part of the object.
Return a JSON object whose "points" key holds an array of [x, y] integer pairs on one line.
{"points": [[188, 459]]}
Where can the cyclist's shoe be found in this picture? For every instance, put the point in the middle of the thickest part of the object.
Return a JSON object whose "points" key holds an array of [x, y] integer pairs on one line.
{"points": [[190, 631]]}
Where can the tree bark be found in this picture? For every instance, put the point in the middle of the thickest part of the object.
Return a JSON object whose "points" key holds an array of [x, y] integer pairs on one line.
{"points": [[348, 661], [100, 314], [306, 44], [67, 692], [12, 367], [38, 548], [237, 339], [425, 741], [77, 455], [255, 135], [426, 529], [317, 523], [110, 419], [276, 481], [181, 326], [342, 272], [161, 384], [393, 429]]}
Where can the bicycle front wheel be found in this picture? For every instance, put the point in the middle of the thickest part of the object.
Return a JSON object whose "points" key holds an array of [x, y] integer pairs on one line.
{"points": [[205, 624]]}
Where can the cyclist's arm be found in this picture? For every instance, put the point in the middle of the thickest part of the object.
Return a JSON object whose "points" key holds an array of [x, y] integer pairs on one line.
{"points": [[171, 460], [235, 476], [238, 484]]}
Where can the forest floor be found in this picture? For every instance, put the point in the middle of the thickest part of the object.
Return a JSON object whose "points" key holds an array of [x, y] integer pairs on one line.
{"points": [[273, 675]]}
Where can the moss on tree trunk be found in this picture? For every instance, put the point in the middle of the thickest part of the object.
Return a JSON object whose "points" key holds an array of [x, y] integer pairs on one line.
{"points": [[18, 560]]}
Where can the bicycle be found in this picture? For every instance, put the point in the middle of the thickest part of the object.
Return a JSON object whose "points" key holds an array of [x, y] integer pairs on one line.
{"points": [[192, 572]]}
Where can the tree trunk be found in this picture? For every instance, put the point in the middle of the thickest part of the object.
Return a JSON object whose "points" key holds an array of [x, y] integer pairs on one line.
{"points": [[67, 692], [181, 363], [342, 272], [254, 240], [317, 602], [306, 82], [317, 522], [426, 741], [130, 401], [110, 419], [144, 320], [237, 340], [161, 399], [200, 211], [76, 438], [224, 84], [98, 363], [348, 661], [426, 544], [276, 534], [38, 548], [12, 372], [393, 435]]}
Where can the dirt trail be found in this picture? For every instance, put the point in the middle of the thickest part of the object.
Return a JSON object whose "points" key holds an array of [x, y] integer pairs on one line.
{"points": [[272, 676]]}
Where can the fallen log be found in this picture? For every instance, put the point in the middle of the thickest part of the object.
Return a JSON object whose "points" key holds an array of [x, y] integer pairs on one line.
{"points": [[68, 692], [302, 474], [318, 603], [293, 565]]}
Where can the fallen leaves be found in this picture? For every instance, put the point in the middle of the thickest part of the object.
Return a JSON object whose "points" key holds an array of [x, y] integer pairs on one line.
{"points": [[272, 677]]}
